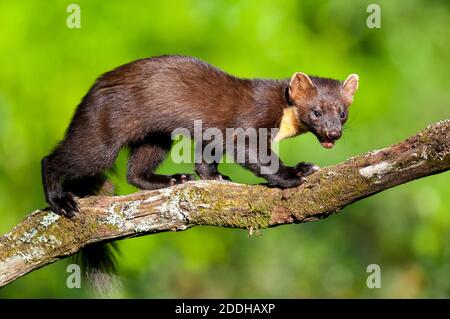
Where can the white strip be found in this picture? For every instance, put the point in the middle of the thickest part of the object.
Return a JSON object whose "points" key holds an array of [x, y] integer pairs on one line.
{"points": [[376, 170]]}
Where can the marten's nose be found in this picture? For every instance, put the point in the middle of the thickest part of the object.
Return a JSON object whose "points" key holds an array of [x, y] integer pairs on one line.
{"points": [[334, 134]]}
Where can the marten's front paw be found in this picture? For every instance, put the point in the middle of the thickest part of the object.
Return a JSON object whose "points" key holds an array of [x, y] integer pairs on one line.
{"points": [[286, 182], [305, 168], [181, 178], [64, 204]]}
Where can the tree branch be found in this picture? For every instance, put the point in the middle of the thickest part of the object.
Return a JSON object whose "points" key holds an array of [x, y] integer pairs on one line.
{"points": [[44, 237]]}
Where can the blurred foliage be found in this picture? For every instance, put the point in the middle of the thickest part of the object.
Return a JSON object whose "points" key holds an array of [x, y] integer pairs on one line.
{"points": [[45, 69]]}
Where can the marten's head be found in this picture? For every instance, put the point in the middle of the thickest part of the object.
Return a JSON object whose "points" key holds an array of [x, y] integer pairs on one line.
{"points": [[322, 104]]}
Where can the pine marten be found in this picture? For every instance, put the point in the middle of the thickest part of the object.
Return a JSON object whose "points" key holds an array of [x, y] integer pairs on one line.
{"points": [[139, 104]]}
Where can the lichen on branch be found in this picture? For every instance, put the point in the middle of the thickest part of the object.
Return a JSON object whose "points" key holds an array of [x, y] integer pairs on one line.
{"points": [[44, 237]]}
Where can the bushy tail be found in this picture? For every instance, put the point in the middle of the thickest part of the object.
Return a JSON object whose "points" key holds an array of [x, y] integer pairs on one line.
{"points": [[99, 260], [99, 264]]}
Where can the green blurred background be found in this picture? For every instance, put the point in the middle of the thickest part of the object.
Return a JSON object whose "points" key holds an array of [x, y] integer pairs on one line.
{"points": [[45, 69]]}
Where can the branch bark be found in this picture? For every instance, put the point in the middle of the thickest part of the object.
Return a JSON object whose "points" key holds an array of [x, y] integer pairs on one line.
{"points": [[44, 237]]}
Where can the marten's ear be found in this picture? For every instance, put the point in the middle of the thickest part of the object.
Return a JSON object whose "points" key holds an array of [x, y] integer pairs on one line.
{"points": [[349, 87], [301, 86]]}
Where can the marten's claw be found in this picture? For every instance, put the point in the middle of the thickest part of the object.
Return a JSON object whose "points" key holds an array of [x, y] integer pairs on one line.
{"points": [[224, 178], [181, 178], [305, 168], [187, 177], [65, 205]]}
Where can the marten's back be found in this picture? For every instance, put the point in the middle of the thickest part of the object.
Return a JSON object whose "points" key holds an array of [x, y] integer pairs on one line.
{"points": [[158, 95]]}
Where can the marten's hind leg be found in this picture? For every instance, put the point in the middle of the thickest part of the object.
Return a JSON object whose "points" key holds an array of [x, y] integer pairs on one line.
{"points": [[60, 202], [209, 171], [207, 168], [73, 170], [144, 160]]}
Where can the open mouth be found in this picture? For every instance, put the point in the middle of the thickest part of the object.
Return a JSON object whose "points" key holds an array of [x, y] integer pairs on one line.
{"points": [[327, 143]]}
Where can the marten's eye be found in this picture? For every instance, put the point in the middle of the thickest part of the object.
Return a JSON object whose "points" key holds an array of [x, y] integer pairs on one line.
{"points": [[343, 114], [317, 114]]}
